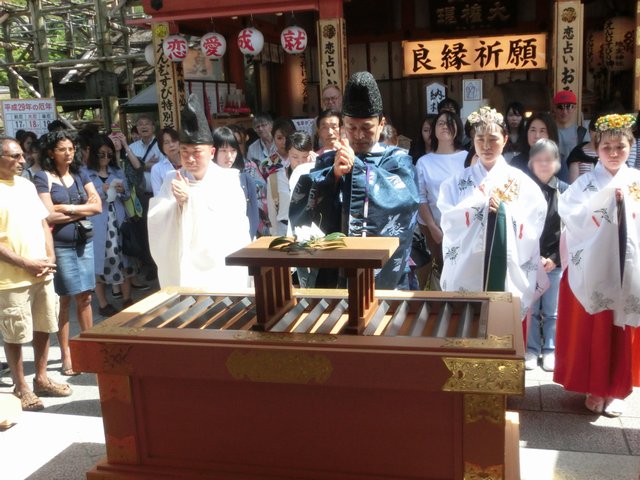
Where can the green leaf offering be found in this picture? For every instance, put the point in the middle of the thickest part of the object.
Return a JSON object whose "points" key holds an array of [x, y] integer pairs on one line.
{"points": [[331, 241]]}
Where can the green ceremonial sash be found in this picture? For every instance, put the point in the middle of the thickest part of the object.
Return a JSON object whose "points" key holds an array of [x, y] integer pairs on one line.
{"points": [[497, 265]]}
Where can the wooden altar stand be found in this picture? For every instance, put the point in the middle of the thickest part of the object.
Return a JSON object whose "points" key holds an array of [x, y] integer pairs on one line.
{"points": [[304, 384]]}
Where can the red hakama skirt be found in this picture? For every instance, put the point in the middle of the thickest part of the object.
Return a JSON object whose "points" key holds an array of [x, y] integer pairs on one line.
{"points": [[592, 354]]}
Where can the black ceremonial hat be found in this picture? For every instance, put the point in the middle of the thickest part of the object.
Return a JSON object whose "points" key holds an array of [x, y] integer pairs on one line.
{"points": [[362, 97], [194, 128]]}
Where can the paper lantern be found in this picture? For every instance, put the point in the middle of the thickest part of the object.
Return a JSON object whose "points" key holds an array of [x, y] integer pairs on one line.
{"points": [[213, 45], [595, 47], [175, 48], [293, 40], [150, 54], [250, 41], [619, 42]]}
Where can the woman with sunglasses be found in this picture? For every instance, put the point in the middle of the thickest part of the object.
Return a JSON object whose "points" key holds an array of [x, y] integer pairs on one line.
{"points": [[70, 196], [111, 265]]}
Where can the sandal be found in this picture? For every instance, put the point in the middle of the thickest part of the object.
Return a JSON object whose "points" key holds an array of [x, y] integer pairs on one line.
{"points": [[594, 403], [29, 401], [51, 389], [68, 371]]}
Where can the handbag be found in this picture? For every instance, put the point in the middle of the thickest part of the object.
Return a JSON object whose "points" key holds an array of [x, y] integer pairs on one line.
{"points": [[84, 231], [130, 232]]}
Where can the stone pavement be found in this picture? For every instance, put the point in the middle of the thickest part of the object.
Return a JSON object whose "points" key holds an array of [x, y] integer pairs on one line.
{"points": [[559, 438]]}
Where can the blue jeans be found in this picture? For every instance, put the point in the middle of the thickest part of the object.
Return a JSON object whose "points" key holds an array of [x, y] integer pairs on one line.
{"points": [[544, 314]]}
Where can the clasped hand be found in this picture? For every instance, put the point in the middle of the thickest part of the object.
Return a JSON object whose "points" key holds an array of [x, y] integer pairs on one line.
{"points": [[494, 203], [39, 268], [343, 162], [180, 189]]}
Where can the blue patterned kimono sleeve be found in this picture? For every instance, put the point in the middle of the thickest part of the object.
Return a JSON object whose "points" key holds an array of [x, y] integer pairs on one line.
{"points": [[390, 185], [316, 198]]}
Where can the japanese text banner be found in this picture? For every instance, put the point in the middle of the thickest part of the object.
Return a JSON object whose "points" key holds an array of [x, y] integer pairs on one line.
{"points": [[475, 54], [568, 47]]}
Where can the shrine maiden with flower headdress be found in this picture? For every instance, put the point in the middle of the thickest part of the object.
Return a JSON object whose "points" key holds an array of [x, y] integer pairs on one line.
{"points": [[596, 346], [492, 219]]}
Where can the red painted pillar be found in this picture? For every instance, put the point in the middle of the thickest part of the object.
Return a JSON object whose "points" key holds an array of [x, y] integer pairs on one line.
{"points": [[330, 9]]}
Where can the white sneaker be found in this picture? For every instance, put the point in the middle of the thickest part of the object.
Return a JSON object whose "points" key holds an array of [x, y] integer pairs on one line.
{"points": [[549, 361], [530, 361]]}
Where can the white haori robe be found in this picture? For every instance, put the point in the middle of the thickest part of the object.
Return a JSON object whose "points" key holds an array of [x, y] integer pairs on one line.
{"points": [[464, 204], [590, 213], [189, 245]]}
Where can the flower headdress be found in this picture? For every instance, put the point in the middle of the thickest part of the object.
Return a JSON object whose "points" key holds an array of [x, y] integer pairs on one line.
{"points": [[615, 122], [485, 115]]}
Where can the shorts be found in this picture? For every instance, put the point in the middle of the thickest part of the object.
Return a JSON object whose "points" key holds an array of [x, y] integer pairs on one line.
{"points": [[74, 270], [25, 309]]}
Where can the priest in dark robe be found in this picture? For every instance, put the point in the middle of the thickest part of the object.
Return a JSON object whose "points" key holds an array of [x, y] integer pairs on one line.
{"points": [[364, 188]]}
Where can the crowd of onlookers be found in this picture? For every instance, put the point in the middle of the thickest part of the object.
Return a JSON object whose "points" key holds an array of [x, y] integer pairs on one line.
{"points": [[94, 190]]}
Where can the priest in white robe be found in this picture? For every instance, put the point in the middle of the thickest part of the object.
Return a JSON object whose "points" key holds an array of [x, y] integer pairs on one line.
{"points": [[199, 216], [492, 219]]}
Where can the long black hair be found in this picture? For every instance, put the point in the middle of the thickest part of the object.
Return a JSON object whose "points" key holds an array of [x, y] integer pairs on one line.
{"points": [[549, 122], [97, 143], [418, 147], [50, 141], [454, 123], [518, 109], [224, 137]]}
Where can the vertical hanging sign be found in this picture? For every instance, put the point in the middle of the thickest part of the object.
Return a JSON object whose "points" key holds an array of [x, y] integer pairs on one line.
{"points": [[435, 93], [332, 47], [169, 81], [568, 48]]}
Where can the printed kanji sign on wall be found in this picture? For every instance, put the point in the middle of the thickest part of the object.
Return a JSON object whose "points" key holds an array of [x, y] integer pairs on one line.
{"points": [[474, 54]]}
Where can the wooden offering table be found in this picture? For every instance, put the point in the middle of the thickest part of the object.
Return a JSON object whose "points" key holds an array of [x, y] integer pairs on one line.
{"points": [[300, 384]]}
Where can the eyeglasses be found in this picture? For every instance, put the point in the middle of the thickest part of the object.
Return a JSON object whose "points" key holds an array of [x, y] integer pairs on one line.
{"points": [[105, 155], [565, 106], [331, 99], [14, 156]]}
